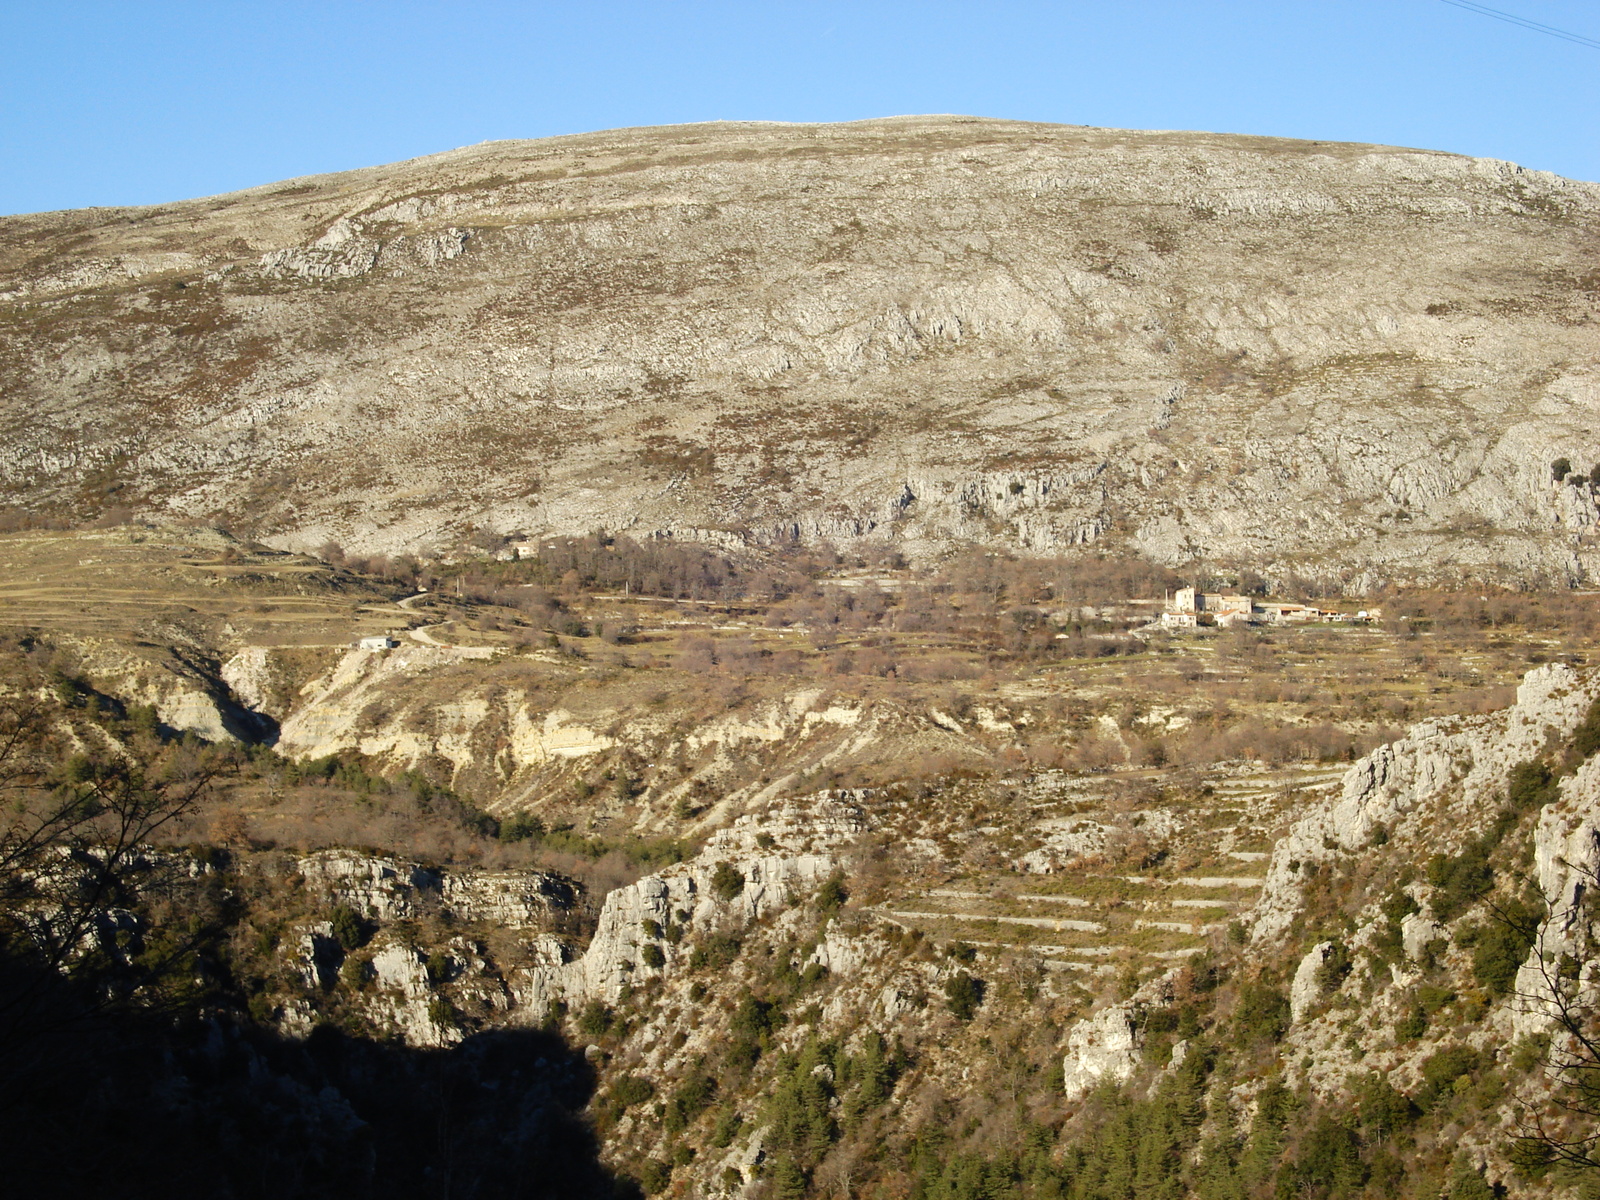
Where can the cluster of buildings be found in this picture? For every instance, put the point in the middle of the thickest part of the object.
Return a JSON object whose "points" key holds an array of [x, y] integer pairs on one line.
{"points": [[1189, 608]]}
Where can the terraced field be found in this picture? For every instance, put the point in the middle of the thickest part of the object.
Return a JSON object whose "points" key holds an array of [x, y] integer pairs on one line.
{"points": [[1093, 913], [128, 581]]}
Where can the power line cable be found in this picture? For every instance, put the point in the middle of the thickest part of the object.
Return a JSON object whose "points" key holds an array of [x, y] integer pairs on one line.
{"points": [[1485, 10]]}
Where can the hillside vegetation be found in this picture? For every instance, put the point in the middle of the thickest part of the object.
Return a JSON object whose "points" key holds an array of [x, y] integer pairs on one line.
{"points": [[811, 875], [634, 665]]}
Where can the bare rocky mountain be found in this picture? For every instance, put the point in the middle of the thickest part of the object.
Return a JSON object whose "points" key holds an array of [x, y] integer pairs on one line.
{"points": [[1345, 360]]}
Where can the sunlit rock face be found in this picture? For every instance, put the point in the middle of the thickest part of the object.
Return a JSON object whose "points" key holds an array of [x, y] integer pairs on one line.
{"points": [[1352, 361]]}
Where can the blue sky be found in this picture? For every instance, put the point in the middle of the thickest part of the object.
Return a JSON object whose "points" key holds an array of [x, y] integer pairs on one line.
{"points": [[146, 101]]}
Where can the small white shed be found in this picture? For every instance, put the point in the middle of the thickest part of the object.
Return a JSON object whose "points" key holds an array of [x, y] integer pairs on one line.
{"points": [[381, 642]]}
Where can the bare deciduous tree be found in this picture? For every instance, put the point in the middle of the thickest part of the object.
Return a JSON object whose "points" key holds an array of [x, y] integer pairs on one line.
{"points": [[75, 866], [1563, 1126]]}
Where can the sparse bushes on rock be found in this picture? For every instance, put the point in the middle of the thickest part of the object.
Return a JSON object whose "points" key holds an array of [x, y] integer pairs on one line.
{"points": [[629, 1090], [595, 1020], [1585, 739], [1262, 1013], [963, 994], [1334, 968], [714, 951], [690, 1098], [1431, 998], [1501, 946], [356, 973], [727, 881], [1382, 1108], [1441, 1071], [654, 1176], [832, 894], [752, 1026], [1460, 880], [443, 1014], [521, 826], [1468, 1183], [726, 1127], [1533, 784], [349, 929], [1412, 1025], [1388, 943]]}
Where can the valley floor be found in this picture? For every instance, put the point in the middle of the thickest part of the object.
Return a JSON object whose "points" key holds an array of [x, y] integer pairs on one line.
{"points": [[851, 881]]}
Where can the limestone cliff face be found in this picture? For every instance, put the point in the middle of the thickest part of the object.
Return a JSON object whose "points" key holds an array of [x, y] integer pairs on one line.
{"points": [[1440, 784], [1328, 357], [387, 889], [178, 680], [1349, 997], [1432, 792], [1567, 868], [416, 989], [646, 928], [683, 897], [497, 735], [422, 991], [453, 950]]}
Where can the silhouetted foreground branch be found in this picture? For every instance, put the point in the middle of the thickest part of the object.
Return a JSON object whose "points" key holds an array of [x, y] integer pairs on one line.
{"points": [[129, 1065]]}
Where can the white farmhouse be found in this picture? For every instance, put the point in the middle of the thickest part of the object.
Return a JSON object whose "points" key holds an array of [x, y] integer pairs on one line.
{"points": [[381, 642], [1190, 600]]}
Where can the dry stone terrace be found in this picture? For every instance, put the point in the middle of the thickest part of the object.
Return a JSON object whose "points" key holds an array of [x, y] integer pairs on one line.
{"points": [[1158, 884]]}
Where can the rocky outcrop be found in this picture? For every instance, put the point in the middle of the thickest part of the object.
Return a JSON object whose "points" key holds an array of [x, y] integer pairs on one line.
{"points": [[344, 709], [649, 928], [389, 889], [1107, 1046], [1566, 852], [1070, 840], [259, 679], [794, 825], [503, 740], [177, 682], [317, 956], [662, 912], [1306, 988], [1416, 932], [405, 995], [644, 930], [1441, 782], [1440, 788], [1100, 1049]]}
